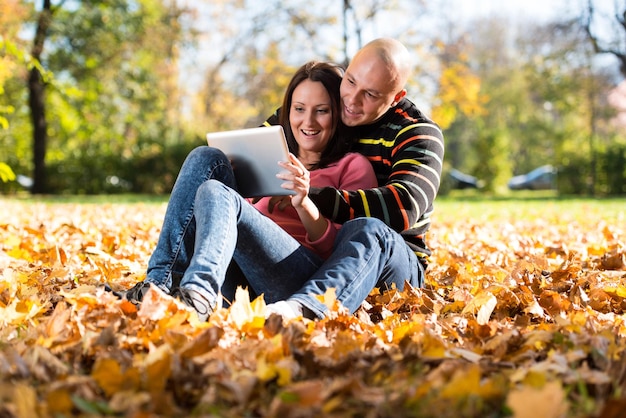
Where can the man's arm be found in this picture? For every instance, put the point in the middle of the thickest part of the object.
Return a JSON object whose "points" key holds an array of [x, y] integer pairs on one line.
{"points": [[416, 163], [272, 120]]}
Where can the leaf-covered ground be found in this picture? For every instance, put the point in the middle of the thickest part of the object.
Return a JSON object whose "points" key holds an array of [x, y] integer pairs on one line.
{"points": [[521, 316]]}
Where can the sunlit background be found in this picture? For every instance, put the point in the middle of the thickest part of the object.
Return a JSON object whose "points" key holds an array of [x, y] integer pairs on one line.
{"points": [[122, 91]]}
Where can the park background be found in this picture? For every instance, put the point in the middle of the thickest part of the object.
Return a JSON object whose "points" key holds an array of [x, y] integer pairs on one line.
{"points": [[109, 96], [522, 314]]}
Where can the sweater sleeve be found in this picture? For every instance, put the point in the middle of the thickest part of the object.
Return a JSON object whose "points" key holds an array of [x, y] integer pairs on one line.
{"points": [[355, 173], [416, 157]]}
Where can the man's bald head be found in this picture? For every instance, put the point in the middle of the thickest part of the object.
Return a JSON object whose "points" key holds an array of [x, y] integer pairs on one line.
{"points": [[374, 81], [394, 55]]}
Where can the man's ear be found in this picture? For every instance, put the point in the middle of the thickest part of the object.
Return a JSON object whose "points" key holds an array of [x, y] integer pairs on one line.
{"points": [[398, 97]]}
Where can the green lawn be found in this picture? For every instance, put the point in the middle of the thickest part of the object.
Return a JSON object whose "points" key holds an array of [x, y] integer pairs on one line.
{"points": [[529, 206], [522, 205]]}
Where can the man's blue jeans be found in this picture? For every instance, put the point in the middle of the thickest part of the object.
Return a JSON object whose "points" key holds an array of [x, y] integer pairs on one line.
{"points": [[207, 225]]}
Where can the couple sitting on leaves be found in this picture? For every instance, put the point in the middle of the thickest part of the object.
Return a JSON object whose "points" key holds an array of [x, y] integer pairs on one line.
{"points": [[365, 166]]}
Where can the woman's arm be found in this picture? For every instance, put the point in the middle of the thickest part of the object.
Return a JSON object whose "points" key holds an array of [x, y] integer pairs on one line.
{"points": [[298, 179]]}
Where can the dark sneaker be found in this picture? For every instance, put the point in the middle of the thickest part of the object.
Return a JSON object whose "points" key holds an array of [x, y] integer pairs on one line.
{"points": [[134, 295], [196, 301]]}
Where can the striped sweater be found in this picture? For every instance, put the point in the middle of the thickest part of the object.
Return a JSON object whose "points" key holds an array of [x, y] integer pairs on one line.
{"points": [[406, 150]]}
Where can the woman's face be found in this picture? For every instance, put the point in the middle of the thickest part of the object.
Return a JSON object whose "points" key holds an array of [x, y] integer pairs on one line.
{"points": [[311, 117]]}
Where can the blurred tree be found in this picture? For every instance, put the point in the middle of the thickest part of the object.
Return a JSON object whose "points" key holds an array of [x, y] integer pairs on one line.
{"points": [[459, 91], [251, 62], [612, 41], [36, 99], [115, 94], [574, 91], [12, 13], [356, 16], [546, 104], [268, 77], [474, 98]]}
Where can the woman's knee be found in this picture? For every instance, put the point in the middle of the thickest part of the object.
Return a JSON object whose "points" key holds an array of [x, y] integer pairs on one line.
{"points": [[205, 163], [205, 156]]}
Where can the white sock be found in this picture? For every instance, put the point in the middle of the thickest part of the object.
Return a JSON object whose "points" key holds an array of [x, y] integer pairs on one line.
{"points": [[288, 309]]}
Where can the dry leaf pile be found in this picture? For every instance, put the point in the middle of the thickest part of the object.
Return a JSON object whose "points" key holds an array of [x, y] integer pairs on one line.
{"points": [[519, 318]]}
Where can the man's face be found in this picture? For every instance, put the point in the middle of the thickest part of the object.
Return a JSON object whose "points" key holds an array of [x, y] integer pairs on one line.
{"points": [[367, 90]]}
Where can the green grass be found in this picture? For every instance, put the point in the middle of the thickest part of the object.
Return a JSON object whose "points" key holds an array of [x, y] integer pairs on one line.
{"points": [[529, 205], [469, 204], [89, 199]]}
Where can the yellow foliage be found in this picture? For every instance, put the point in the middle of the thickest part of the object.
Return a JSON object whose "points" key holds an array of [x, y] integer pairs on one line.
{"points": [[245, 315], [546, 402], [459, 92], [25, 400], [108, 375], [503, 322], [467, 382]]}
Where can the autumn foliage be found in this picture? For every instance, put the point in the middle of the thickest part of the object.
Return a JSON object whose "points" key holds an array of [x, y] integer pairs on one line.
{"points": [[519, 317]]}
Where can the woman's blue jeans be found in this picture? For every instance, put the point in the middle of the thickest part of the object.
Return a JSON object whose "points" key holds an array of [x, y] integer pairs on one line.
{"points": [[208, 225]]}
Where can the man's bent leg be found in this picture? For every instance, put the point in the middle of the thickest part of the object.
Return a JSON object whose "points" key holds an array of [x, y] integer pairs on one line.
{"points": [[367, 254]]}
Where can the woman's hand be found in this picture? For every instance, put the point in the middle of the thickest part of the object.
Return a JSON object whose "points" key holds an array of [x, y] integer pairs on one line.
{"points": [[297, 178]]}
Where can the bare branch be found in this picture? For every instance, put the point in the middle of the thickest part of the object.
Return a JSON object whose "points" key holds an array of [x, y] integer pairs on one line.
{"points": [[598, 47]]}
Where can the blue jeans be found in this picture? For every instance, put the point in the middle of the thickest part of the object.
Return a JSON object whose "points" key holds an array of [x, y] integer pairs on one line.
{"points": [[208, 226]]}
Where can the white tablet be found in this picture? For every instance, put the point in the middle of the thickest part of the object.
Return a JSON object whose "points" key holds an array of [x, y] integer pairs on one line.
{"points": [[254, 154]]}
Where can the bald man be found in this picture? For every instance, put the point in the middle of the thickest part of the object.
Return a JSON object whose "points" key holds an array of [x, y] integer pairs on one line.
{"points": [[382, 240], [374, 81]]}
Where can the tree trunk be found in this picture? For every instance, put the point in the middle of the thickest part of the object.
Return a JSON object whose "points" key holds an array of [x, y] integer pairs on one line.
{"points": [[36, 101]]}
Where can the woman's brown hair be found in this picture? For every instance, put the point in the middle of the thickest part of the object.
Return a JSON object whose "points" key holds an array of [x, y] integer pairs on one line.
{"points": [[330, 76]]}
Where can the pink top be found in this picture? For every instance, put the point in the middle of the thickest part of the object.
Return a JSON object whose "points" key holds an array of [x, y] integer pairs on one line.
{"points": [[352, 172]]}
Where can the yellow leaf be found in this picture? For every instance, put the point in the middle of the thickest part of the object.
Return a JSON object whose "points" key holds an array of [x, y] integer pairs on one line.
{"points": [[466, 382], [485, 302], [25, 401], [268, 366], [535, 379], [547, 402], [12, 241], [158, 368], [246, 314], [264, 370], [329, 298], [108, 375], [433, 347], [405, 328], [60, 402]]}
